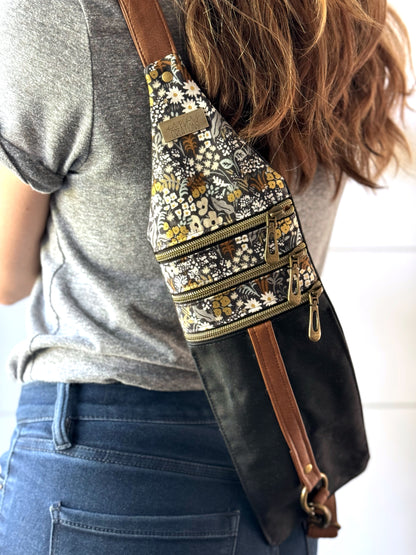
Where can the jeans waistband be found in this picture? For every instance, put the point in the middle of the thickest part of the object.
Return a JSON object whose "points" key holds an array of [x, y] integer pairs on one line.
{"points": [[116, 401]]}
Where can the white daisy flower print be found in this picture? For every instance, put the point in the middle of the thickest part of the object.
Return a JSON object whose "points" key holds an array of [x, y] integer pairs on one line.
{"points": [[252, 305], [175, 95], [189, 106], [269, 298], [191, 88]]}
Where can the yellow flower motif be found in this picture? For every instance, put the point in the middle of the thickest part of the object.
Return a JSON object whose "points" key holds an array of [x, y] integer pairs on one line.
{"points": [[231, 197], [286, 225], [285, 228], [221, 306], [276, 175], [176, 234], [154, 73], [273, 180], [156, 187], [237, 193]]}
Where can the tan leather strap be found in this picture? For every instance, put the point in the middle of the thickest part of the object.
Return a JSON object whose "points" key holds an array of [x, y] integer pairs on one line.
{"points": [[284, 403], [148, 29]]}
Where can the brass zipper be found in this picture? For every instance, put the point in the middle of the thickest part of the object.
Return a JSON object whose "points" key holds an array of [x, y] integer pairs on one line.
{"points": [[314, 320], [294, 292], [273, 216], [241, 277], [254, 319], [284, 209]]}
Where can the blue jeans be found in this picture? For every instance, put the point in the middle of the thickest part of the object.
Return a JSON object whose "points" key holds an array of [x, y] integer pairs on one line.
{"points": [[112, 469]]}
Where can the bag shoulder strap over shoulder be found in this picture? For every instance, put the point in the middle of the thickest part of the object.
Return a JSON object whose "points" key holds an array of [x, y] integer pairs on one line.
{"points": [[151, 47], [148, 29], [153, 41]]}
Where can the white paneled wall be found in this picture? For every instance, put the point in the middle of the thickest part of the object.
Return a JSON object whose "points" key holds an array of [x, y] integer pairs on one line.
{"points": [[370, 275]]}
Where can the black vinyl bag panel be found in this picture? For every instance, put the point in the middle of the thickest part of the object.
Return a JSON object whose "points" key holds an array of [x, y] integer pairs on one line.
{"points": [[324, 384]]}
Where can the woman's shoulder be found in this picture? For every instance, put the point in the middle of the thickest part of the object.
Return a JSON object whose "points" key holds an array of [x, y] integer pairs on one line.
{"points": [[45, 86]]}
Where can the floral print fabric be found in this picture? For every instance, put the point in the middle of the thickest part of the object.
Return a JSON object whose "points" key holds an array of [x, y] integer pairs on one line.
{"points": [[246, 299], [229, 257], [208, 181]]}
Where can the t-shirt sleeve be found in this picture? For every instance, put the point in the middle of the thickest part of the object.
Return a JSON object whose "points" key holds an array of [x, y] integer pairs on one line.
{"points": [[46, 93]]}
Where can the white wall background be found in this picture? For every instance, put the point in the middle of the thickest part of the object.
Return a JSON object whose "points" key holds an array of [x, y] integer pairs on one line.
{"points": [[370, 276]]}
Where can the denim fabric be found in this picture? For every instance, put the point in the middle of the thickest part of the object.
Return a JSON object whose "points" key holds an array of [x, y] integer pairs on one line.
{"points": [[113, 469]]}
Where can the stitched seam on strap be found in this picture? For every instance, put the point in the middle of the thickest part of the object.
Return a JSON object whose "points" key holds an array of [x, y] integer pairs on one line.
{"points": [[280, 415], [295, 412], [270, 386], [163, 22], [294, 407], [133, 30]]}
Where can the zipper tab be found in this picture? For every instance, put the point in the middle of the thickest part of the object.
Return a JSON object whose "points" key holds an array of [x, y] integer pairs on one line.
{"points": [[294, 293], [285, 208], [271, 235], [273, 216], [314, 320]]}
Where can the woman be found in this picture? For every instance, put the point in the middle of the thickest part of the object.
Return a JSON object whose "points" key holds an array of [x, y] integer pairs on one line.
{"points": [[116, 449]]}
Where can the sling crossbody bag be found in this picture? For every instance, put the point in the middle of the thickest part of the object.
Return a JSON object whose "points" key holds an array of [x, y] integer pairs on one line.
{"points": [[266, 340]]}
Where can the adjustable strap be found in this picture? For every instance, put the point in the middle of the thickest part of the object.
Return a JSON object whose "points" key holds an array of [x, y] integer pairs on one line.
{"points": [[321, 509], [284, 403], [148, 29], [153, 42]]}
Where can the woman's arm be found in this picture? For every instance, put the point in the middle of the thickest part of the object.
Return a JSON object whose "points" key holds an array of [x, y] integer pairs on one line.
{"points": [[23, 215]]}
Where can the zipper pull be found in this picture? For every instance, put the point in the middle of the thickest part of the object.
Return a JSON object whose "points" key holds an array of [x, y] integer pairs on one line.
{"points": [[314, 320], [294, 292], [271, 235]]}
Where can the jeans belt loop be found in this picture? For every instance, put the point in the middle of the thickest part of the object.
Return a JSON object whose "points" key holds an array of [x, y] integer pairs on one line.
{"points": [[61, 420]]}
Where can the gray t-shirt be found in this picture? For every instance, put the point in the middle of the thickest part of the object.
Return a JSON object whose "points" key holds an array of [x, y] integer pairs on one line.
{"points": [[74, 122]]}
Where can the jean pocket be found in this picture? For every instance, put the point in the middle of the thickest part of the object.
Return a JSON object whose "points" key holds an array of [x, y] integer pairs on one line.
{"points": [[75, 531]]}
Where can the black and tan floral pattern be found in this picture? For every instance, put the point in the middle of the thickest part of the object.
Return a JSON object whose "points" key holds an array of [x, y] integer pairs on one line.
{"points": [[241, 301], [229, 257], [206, 180], [209, 181]]}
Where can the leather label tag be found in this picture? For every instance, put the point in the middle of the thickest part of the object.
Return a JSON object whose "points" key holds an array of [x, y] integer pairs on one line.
{"points": [[185, 124]]}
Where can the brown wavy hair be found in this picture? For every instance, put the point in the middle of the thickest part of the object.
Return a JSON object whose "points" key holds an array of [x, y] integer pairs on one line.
{"points": [[308, 82]]}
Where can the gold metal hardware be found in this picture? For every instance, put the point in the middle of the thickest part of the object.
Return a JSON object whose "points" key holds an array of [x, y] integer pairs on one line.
{"points": [[271, 235], [314, 331], [294, 292], [251, 320], [167, 76], [232, 281], [321, 516], [308, 468], [182, 125], [204, 241], [318, 514], [273, 216]]}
